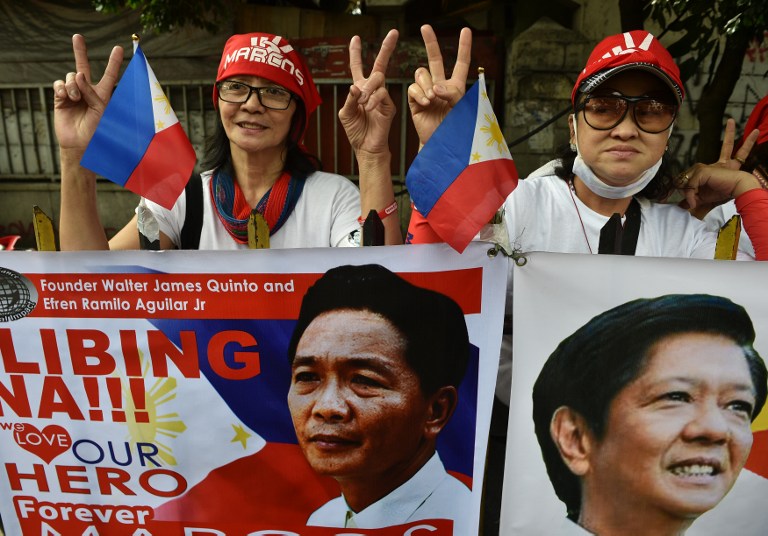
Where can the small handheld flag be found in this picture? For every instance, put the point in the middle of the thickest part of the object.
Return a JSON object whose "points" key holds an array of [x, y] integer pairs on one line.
{"points": [[139, 143], [462, 175]]}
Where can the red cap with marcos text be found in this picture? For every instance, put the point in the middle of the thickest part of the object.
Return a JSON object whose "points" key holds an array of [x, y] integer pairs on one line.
{"points": [[272, 57], [637, 49]]}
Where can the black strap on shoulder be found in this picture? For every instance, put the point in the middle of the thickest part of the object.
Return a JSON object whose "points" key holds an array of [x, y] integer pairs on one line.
{"points": [[616, 239], [193, 219]]}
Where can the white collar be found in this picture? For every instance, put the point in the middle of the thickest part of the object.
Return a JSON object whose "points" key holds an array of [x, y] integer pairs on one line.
{"points": [[400, 504], [569, 528]]}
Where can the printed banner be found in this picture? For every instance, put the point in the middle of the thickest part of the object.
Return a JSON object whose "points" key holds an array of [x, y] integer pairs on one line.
{"points": [[150, 393], [636, 390]]}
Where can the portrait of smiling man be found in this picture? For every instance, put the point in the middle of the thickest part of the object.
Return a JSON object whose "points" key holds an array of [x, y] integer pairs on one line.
{"points": [[376, 364], [643, 415]]}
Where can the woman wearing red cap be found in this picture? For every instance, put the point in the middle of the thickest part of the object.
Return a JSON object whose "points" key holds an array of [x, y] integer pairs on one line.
{"points": [[625, 102], [254, 161], [602, 195]]}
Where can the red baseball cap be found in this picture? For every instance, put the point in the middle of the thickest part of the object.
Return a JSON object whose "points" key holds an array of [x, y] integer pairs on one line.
{"points": [[637, 49], [272, 57]]}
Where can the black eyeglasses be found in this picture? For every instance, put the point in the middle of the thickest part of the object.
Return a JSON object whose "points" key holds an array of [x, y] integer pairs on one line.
{"points": [[274, 98], [604, 112]]}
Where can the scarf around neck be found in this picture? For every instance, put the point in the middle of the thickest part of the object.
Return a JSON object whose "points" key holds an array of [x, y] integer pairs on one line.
{"points": [[234, 211]]}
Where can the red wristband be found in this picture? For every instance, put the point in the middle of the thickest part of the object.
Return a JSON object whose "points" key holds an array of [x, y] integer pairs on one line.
{"points": [[382, 213]]}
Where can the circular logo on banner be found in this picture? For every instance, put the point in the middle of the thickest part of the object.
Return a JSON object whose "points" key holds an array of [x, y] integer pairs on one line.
{"points": [[17, 296]]}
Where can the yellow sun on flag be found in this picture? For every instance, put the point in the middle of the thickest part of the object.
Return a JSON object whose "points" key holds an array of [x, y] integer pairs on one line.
{"points": [[162, 99], [161, 426], [493, 130]]}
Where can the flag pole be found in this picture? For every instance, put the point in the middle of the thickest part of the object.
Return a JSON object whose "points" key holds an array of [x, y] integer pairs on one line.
{"points": [[135, 38], [497, 217]]}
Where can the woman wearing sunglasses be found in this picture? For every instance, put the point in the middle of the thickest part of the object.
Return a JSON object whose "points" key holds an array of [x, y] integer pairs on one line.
{"points": [[604, 193], [254, 162], [625, 104]]}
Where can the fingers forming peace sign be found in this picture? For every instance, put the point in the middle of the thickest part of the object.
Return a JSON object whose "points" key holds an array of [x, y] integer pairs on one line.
{"points": [[432, 96], [737, 160], [718, 182], [368, 111], [78, 103]]}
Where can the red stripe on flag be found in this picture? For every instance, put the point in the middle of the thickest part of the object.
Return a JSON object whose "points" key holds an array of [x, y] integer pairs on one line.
{"points": [[274, 486], [758, 456], [165, 168], [471, 201]]}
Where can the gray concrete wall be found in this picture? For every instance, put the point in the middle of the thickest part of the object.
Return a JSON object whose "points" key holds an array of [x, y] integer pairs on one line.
{"points": [[542, 65]]}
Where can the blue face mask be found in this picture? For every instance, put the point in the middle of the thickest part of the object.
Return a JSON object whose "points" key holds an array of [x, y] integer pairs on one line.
{"points": [[597, 186]]}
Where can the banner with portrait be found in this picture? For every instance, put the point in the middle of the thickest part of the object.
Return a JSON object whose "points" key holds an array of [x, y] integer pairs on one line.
{"points": [[151, 393], [634, 398]]}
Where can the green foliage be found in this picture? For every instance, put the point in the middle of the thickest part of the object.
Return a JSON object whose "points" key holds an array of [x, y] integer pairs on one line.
{"points": [[703, 23], [163, 16]]}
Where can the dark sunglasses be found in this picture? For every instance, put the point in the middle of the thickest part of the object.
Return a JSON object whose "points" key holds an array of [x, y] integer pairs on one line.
{"points": [[604, 112]]}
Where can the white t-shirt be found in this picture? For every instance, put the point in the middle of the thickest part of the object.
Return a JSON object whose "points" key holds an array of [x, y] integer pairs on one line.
{"points": [[430, 494], [325, 215], [569, 528], [541, 215]]}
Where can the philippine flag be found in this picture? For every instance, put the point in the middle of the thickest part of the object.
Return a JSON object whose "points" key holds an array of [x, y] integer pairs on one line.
{"points": [[464, 172], [139, 143]]}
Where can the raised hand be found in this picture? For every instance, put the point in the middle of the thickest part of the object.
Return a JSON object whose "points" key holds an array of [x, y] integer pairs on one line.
{"points": [[367, 117], [432, 96], [368, 112], [78, 103], [715, 183]]}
